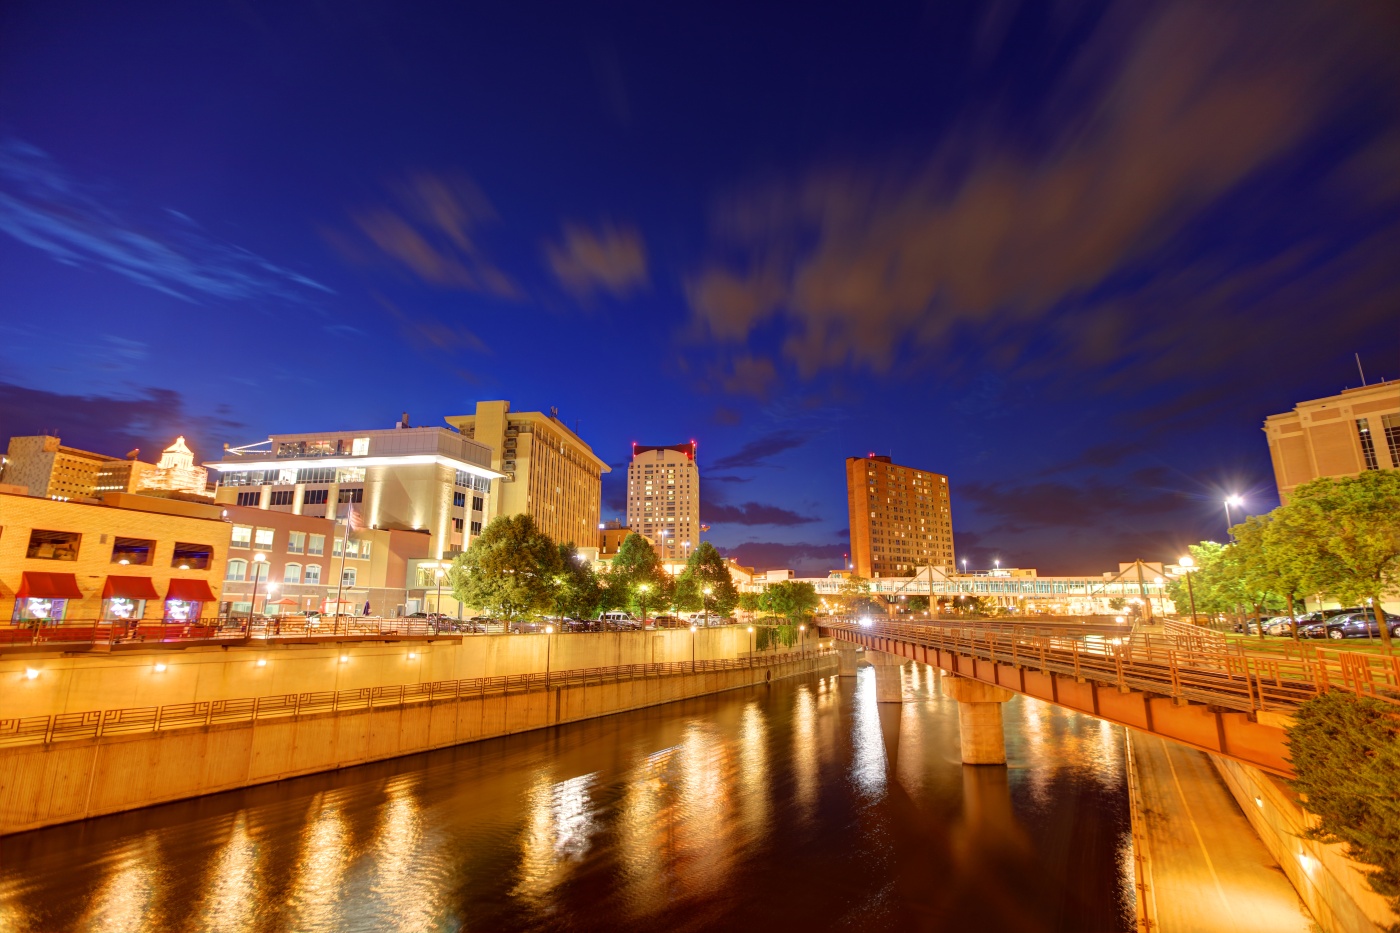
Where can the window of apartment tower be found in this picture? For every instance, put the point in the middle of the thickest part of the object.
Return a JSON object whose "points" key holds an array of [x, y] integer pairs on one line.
{"points": [[250, 498], [459, 500], [262, 539], [242, 536], [296, 542]]}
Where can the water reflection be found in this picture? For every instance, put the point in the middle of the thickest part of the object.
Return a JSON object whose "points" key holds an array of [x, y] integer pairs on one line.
{"points": [[762, 809]]}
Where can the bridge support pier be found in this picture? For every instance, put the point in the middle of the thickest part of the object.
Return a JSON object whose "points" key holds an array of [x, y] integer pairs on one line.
{"points": [[889, 676], [849, 657], [979, 719]]}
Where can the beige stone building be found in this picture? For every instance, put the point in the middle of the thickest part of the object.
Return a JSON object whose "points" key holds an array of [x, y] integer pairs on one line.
{"points": [[549, 473], [1341, 435], [83, 562], [44, 466], [175, 472], [663, 498], [901, 519]]}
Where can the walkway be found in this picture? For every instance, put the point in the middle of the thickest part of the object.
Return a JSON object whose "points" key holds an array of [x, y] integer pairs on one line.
{"points": [[1208, 869]]}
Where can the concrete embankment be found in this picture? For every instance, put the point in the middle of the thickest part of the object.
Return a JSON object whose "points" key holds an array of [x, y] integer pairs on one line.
{"points": [[56, 782], [157, 675]]}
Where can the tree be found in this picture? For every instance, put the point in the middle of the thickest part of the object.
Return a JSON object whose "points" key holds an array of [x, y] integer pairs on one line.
{"points": [[750, 602], [578, 592], [794, 600], [855, 596], [1211, 581], [509, 569], [706, 568], [917, 603], [1345, 751], [640, 581], [1345, 538], [1117, 603], [1262, 561]]}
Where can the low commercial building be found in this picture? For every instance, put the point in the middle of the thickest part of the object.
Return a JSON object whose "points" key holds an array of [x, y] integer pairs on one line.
{"points": [[1341, 435], [46, 468], [83, 562], [404, 479], [547, 471]]}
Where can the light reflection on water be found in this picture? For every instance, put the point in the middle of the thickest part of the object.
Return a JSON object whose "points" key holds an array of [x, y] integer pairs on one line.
{"points": [[770, 808]]}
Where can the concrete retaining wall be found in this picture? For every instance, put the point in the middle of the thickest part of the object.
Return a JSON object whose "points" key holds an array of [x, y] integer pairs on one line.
{"points": [[1332, 885], [56, 783], [78, 682]]}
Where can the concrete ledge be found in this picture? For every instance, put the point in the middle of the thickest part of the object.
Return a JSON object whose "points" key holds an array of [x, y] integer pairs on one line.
{"points": [[43, 785]]}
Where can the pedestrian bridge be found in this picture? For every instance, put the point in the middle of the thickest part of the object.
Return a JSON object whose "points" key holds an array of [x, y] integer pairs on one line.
{"points": [[1185, 684]]}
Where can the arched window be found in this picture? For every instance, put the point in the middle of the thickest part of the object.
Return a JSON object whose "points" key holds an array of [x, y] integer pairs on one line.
{"points": [[237, 570], [313, 574], [347, 577], [292, 573]]}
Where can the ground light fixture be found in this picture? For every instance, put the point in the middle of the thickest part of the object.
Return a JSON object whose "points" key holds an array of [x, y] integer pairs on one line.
{"points": [[262, 662], [30, 673], [412, 655], [159, 667], [344, 658]]}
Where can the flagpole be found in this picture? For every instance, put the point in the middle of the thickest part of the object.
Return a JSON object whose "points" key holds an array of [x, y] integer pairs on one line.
{"points": [[340, 584]]}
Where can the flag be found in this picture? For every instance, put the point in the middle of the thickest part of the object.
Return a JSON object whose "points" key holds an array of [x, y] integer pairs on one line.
{"points": [[352, 517]]}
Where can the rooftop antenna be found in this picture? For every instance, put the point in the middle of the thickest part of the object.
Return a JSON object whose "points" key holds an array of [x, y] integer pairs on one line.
{"points": [[1359, 369]]}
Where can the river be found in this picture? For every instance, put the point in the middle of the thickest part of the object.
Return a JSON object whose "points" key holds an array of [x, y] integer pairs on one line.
{"points": [[803, 805]]}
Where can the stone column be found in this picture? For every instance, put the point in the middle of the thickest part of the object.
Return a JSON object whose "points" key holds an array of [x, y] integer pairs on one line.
{"points": [[979, 719], [889, 676], [849, 657]]}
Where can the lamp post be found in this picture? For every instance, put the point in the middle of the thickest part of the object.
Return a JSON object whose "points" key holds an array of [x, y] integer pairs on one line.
{"points": [[706, 599], [964, 566], [1187, 566], [1236, 501], [548, 648], [1161, 597], [258, 561], [692, 649], [751, 640], [437, 605], [802, 635]]}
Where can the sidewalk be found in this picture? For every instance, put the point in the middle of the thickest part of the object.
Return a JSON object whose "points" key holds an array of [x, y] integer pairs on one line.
{"points": [[1208, 869]]}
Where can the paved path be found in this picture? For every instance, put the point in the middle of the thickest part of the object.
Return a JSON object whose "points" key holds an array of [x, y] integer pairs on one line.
{"points": [[1209, 871]]}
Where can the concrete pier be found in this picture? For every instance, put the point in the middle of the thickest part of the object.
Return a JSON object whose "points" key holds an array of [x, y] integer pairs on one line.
{"points": [[849, 658], [979, 719], [889, 676]]}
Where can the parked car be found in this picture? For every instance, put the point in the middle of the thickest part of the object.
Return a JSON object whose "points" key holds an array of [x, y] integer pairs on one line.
{"points": [[527, 627], [618, 621], [581, 625], [1359, 624]]}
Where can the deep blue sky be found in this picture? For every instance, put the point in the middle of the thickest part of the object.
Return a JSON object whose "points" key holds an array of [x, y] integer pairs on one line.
{"points": [[1070, 255]]}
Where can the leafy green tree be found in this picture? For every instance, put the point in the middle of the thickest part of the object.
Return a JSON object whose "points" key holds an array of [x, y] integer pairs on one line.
{"points": [[706, 569], [1344, 538], [509, 569], [640, 581], [855, 596], [751, 602], [794, 600], [1117, 603], [917, 603], [1212, 580], [1345, 751], [1253, 568], [578, 592]]}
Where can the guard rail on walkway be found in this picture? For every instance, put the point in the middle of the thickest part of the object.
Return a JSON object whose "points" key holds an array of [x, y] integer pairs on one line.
{"points": [[36, 730], [1184, 666]]}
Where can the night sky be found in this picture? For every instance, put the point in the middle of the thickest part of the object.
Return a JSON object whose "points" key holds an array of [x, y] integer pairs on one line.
{"points": [[1070, 254]]}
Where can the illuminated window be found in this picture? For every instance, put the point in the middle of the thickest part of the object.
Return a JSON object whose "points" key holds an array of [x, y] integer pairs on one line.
{"points": [[133, 551], [351, 495], [347, 577], [1368, 445], [316, 545], [192, 556], [350, 475], [262, 539], [237, 570], [312, 574], [292, 573], [359, 447], [296, 542], [242, 536], [1390, 424]]}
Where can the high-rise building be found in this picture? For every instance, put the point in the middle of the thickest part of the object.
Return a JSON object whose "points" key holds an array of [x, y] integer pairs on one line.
{"points": [[547, 471], [901, 519], [1341, 435], [432, 480], [48, 469], [663, 498]]}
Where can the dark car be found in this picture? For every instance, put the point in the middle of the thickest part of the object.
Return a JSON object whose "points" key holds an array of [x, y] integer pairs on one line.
{"points": [[581, 625], [1360, 624]]}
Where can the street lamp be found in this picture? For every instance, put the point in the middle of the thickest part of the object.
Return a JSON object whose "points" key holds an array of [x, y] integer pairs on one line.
{"points": [[1188, 565], [439, 574], [548, 647], [964, 566], [707, 591], [802, 629], [258, 561], [692, 649], [1235, 501], [1161, 596], [751, 640]]}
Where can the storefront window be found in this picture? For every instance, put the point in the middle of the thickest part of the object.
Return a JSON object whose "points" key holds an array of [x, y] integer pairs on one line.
{"points": [[121, 609], [181, 610], [35, 609]]}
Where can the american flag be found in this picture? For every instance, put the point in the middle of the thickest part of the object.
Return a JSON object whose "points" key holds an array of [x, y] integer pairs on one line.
{"points": [[352, 517]]}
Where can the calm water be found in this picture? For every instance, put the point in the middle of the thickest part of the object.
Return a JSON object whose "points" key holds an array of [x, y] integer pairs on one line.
{"points": [[803, 805]]}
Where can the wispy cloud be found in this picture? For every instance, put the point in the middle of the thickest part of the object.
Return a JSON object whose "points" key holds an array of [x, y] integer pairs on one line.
{"points": [[609, 259], [429, 227], [44, 207], [752, 513], [756, 452]]}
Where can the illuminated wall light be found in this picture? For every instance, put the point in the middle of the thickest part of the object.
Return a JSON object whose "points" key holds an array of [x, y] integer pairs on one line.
{"points": [[262, 662], [344, 658], [159, 667], [412, 655], [30, 673], [1259, 802]]}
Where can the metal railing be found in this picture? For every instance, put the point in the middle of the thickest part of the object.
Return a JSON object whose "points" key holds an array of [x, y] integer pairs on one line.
{"points": [[1184, 666], [37, 730]]}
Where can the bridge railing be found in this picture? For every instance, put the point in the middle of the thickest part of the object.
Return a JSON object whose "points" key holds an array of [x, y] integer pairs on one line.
{"points": [[1182, 666], [88, 724]]}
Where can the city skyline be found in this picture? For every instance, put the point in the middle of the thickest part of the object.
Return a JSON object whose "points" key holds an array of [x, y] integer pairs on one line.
{"points": [[1078, 302]]}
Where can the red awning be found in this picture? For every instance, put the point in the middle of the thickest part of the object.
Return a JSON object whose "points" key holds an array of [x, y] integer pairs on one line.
{"points": [[129, 588], [192, 591], [48, 586]]}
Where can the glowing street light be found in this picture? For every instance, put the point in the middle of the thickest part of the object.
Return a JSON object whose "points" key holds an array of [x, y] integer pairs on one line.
{"points": [[1235, 501]]}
